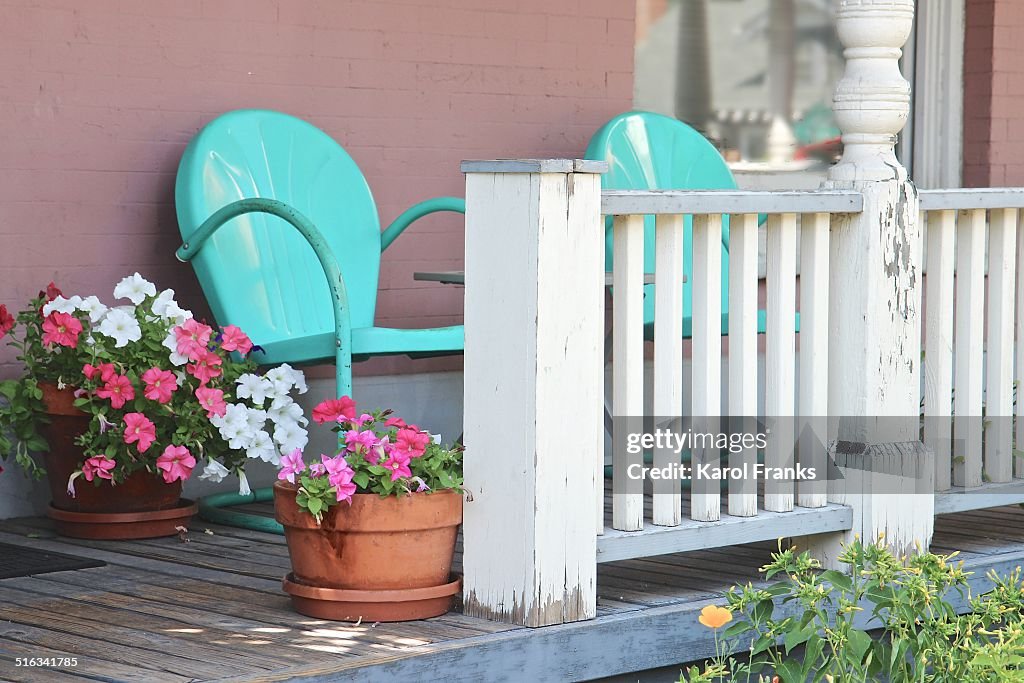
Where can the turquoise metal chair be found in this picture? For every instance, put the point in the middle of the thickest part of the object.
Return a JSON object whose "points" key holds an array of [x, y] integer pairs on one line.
{"points": [[647, 151], [282, 230]]}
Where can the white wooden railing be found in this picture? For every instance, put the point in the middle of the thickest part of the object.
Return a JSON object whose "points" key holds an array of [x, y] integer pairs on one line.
{"points": [[790, 216], [971, 361], [534, 375]]}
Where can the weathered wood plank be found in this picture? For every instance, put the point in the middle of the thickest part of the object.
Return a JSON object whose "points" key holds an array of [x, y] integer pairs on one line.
{"points": [[706, 392], [743, 385], [968, 378], [813, 394], [87, 668], [624, 202], [1018, 374], [938, 357], [1002, 247], [627, 364], [780, 357], [693, 535], [668, 357]]}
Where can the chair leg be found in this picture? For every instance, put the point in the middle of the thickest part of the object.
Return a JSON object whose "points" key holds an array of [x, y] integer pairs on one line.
{"points": [[343, 369]]}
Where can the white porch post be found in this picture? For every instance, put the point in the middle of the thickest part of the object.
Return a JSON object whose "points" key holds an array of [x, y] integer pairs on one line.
{"points": [[534, 389], [875, 300]]}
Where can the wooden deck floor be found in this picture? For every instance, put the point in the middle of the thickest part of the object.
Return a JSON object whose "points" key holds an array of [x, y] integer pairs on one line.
{"points": [[212, 609]]}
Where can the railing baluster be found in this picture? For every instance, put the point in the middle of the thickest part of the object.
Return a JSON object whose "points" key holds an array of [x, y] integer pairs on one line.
{"points": [[705, 505], [628, 363], [743, 354], [1019, 369], [938, 355], [999, 367], [780, 353], [970, 312], [668, 356], [814, 273]]}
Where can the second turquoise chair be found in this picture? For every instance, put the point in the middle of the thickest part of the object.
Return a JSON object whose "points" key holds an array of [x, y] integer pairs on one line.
{"points": [[647, 151]]}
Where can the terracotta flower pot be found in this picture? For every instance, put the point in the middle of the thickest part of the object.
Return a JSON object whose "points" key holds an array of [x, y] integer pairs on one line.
{"points": [[141, 492], [376, 551]]}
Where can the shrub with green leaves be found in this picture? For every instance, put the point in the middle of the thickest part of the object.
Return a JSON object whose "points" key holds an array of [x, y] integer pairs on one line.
{"points": [[811, 625]]}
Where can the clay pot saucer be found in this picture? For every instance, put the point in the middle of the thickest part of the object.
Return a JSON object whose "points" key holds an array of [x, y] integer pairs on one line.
{"points": [[337, 604], [122, 525]]}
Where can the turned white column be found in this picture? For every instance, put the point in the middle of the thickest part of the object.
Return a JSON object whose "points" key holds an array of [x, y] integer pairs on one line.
{"points": [[534, 389], [875, 292]]}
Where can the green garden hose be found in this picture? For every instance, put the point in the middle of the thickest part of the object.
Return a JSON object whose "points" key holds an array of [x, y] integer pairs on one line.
{"points": [[212, 509]]}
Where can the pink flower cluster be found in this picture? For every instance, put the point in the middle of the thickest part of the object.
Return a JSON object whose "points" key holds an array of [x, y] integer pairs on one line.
{"points": [[339, 472]]}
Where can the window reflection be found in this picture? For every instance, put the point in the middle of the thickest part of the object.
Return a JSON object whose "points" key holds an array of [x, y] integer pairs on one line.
{"points": [[755, 76]]}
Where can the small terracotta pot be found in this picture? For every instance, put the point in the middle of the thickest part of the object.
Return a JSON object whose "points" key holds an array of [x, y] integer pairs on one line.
{"points": [[140, 492], [376, 544]]}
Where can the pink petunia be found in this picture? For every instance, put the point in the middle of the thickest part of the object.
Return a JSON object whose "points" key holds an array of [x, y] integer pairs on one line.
{"points": [[233, 339], [213, 401], [334, 410], [104, 370], [395, 422], [138, 428], [176, 462], [61, 329], [193, 338], [206, 366], [339, 474], [411, 443], [98, 466], [52, 291], [381, 450], [6, 321], [360, 442], [118, 389], [291, 465], [399, 466], [160, 385]]}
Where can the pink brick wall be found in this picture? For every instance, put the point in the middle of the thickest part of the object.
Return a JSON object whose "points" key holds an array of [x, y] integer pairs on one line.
{"points": [[994, 94], [99, 97]]}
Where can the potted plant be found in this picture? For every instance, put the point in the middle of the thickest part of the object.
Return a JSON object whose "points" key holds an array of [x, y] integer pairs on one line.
{"points": [[371, 530], [125, 402]]}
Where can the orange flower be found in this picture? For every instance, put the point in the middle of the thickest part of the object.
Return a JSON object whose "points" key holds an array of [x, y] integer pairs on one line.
{"points": [[714, 616]]}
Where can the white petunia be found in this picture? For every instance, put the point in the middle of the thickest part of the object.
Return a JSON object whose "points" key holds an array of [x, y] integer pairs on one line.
{"points": [[214, 472], [171, 344], [94, 307], [121, 327], [290, 437], [234, 426], [254, 388], [255, 419], [135, 288], [176, 314], [160, 303], [166, 308], [262, 447], [243, 485], [284, 377], [62, 305], [435, 438], [284, 409]]}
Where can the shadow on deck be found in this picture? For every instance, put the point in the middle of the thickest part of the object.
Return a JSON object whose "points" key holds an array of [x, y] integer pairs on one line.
{"points": [[212, 609]]}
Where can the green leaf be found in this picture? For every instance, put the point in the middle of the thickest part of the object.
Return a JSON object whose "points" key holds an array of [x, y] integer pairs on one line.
{"points": [[859, 642], [789, 671], [736, 629], [839, 580], [797, 637], [315, 506]]}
